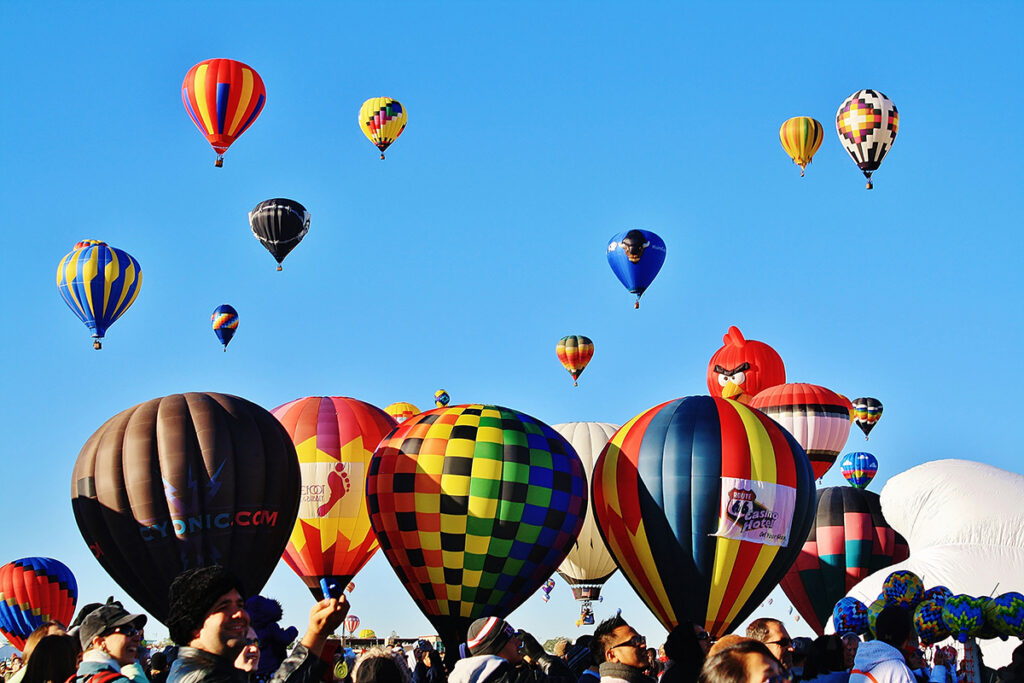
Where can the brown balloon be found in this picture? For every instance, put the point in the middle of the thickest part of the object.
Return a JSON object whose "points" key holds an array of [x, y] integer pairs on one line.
{"points": [[186, 481]]}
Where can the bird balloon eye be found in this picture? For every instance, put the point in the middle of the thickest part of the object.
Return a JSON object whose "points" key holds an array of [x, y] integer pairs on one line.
{"points": [[739, 377], [722, 378]]}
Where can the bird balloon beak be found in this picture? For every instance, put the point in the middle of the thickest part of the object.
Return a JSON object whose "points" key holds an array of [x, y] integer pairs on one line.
{"points": [[732, 390]]}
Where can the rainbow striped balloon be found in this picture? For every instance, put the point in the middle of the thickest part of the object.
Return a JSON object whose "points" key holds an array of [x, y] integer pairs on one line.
{"points": [[801, 137], [34, 590], [859, 469], [574, 353]]}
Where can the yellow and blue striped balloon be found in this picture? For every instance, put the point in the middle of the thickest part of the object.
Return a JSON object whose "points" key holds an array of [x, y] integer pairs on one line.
{"points": [[98, 283]]}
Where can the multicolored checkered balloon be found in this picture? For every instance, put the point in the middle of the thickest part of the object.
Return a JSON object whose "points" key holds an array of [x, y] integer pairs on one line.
{"points": [[929, 624], [938, 594], [475, 507], [903, 588], [850, 616], [1006, 614], [963, 616], [874, 609]]}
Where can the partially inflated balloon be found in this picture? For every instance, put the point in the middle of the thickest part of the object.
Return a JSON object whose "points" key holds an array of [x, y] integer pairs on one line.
{"points": [[819, 418], [574, 353], [850, 616], [334, 439], [866, 412], [963, 616], [867, 123], [382, 120], [34, 590], [98, 283], [401, 411], [903, 588], [704, 504], [225, 322], [928, 623], [223, 97], [801, 137], [742, 368], [636, 256], [849, 540], [279, 224], [185, 481], [858, 469], [441, 398], [475, 506]]}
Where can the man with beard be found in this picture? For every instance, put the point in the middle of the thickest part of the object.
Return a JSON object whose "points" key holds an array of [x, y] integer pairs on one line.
{"points": [[207, 618]]}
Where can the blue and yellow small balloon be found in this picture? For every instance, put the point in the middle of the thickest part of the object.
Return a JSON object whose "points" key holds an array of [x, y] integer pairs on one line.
{"points": [[98, 283], [441, 398], [225, 322]]}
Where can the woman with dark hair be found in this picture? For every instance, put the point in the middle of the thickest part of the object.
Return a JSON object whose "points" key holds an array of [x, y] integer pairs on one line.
{"points": [[685, 650], [378, 665], [54, 660], [825, 662]]}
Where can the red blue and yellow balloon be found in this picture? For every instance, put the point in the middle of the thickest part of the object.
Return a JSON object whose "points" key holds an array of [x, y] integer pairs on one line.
{"points": [[225, 322], [938, 594], [382, 120], [704, 504], [400, 411], [929, 624], [334, 438], [34, 590], [859, 469], [475, 506], [867, 123], [903, 588], [223, 97], [98, 283], [867, 412], [801, 137], [635, 257], [742, 368], [574, 353], [850, 615]]}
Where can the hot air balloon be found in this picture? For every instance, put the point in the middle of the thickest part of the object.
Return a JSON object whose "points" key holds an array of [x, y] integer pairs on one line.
{"points": [[334, 439], [636, 256], [574, 352], [743, 367], [223, 97], [382, 120], [441, 398], [350, 587], [801, 137], [279, 224], [867, 123], [185, 481], [589, 564], [704, 504], [859, 469], [401, 411], [866, 412], [818, 417], [351, 623], [548, 586], [34, 590], [849, 540], [225, 322], [98, 283], [474, 506]]}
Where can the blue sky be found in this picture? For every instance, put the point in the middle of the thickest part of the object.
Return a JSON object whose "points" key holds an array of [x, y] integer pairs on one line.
{"points": [[536, 131]]}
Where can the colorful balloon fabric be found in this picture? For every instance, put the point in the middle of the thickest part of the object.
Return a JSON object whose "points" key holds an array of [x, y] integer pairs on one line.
{"points": [[849, 540], [382, 120], [874, 609], [704, 504], [401, 411], [801, 137], [223, 97], [938, 594], [1006, 615], [858, 469], [988, 629], [279, 224], [548, 586], [475, 506], [866, 412], [819, 418], [574, 353], [743, 367], [903, 588], [867, 123], [850, 616], [98, 283], [186, 481], [929, 624], [636, 256], [334, 439], [441, 398], [963, 616], [34, 590], [225, 322]]}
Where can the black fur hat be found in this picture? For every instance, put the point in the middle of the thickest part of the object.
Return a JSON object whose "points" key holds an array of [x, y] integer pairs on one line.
{"points": [[191, 596]]}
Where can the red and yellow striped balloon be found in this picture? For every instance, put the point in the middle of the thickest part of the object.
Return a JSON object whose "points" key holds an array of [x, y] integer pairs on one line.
{"points": [[801, 137], [223, 97], [575, 352], [663, 487]]}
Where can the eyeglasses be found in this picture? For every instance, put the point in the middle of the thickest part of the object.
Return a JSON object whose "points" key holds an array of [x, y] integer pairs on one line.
{"points": [[635, 641], [252, 641], [784, 677], [703, 635], [127, 630], [784, 643]]}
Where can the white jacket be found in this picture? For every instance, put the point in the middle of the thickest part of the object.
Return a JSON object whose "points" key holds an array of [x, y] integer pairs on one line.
{"points": [[878, 662]]}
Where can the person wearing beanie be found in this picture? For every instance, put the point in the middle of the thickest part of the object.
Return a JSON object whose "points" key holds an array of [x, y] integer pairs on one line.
{"points": [[208, 620], [500, 654], [623, 651]]}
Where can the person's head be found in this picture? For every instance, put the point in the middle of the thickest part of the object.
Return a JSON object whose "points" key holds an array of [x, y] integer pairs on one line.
{"points": [[494, 636], [773, 633], [894, 626], [157, 663], [687, 646], [378, 665], [47, 628], [825, 655], [113, 630], [619, 642], [851, 641], [748, 661], [55, 659], [248, 659], [207, 611]]}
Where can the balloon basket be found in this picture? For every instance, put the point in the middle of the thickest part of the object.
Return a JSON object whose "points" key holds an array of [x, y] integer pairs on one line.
{"points": [[219, 163], [97, 344], [870, 186], [382, 156], [575, 383], [279, 268], [636, 304]]}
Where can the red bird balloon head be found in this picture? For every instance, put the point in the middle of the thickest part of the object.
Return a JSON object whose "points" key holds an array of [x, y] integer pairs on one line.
{"points": [[742, 367]]}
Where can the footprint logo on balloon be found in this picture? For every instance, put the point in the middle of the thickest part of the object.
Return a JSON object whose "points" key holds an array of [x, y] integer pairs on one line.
{"points": [[338, 484]]}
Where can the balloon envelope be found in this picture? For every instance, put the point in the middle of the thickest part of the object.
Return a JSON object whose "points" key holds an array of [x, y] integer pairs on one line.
{"points": [[382, 120], [635, 257], [867, 412], [574, 353], [859, 469], [279, 224], [742, 368], [801, 137], [223, 98], [98, 283], [441, 398], [475, 507], [334, 439], [225, 322], [867, 122], [704, 504], [34, 590], [185, 481], [401, 411]]}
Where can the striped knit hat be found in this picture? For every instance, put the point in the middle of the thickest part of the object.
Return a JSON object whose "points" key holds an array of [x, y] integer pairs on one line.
{"points": [[488, 635]]}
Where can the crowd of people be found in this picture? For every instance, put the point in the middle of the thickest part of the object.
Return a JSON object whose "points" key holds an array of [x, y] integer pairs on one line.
{"points": [[215, 643]]}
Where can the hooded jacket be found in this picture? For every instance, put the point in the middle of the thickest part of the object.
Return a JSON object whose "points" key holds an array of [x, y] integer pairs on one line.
{"points": [[878, 662]]}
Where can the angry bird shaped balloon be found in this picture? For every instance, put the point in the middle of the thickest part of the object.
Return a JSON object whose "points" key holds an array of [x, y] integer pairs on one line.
{"points": [[743, 367]]}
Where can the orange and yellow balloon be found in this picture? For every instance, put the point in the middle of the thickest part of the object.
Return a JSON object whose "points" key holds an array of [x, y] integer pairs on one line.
{"points": [[401, 411], [382, 120], [575, 352], [223, 98], [801, 137]]}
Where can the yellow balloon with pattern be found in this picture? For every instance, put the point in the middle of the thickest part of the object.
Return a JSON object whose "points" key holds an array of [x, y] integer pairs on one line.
{"points": [[801, 137], [382, 120]]}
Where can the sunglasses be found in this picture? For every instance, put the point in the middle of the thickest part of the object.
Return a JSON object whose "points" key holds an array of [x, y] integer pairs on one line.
{"points": [[127, 630], [784, 643], [635, 641]]}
